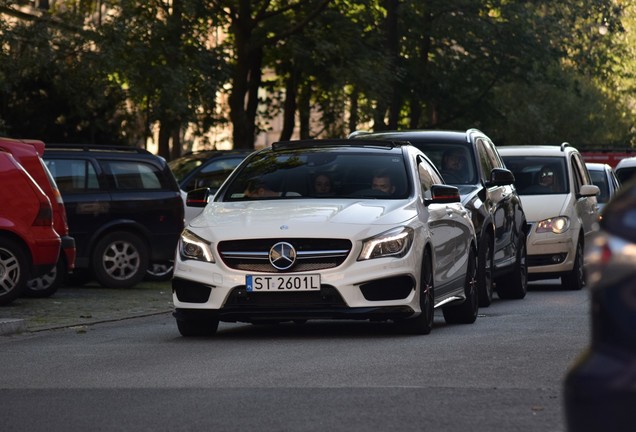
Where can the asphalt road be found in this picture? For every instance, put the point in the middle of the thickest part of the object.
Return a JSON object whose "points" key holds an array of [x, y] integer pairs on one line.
{"points": [[503, 373]]}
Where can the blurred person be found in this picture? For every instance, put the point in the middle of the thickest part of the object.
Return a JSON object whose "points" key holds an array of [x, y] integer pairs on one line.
{"points": [[382, 182]]}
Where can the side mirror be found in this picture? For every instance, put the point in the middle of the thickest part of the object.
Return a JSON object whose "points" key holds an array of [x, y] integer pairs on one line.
{"points": [[589, 190], [199, 197], [443, 194], [500, 177]]}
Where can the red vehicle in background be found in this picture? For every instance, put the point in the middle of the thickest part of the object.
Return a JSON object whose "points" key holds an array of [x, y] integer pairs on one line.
{"points": [[29, 154], [29, 246]]}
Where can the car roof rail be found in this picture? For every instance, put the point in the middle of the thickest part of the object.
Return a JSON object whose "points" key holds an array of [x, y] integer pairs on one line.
{"points": [[564, 145], [341, 142], [97, 148], [358, 133]]}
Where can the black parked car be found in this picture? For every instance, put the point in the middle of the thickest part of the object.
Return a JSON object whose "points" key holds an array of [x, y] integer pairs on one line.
{"points": [[470, 161], [600, 387], [204, 169], [124, 210]]}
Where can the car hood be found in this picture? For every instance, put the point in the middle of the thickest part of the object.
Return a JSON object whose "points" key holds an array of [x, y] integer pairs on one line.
{"points": [[539, 207], [275, 218]]}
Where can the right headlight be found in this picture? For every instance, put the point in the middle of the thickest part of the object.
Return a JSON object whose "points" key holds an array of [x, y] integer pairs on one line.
{"points": [[393, 243], [193, 247], [557, 225]]}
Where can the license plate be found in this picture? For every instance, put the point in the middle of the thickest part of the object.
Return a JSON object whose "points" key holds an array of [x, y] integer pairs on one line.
{"points": [[282, 283]]}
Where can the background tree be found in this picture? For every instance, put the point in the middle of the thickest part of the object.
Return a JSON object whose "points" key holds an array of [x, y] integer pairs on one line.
{"points": [[171, 69], [54, 86], [253, 26]]}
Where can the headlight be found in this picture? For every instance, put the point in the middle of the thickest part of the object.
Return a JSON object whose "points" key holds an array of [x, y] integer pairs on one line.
{"points": [[194, 247], [557, 225], [393, 243]]}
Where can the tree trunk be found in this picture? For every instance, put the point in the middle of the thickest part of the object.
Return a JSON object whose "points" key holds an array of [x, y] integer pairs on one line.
{"points": [[289, 106], [304, 111], [393, 46]]}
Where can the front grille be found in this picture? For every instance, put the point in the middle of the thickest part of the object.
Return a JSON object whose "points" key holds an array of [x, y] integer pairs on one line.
{"points": [[312, 254], [328, 296]]}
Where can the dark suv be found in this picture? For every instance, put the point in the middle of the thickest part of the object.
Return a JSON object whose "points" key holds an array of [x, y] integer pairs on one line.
{"points": [[124, 209], [470, 161]]}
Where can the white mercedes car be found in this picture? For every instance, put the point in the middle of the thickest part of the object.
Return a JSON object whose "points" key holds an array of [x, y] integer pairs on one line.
{"points": [[327, 229]]}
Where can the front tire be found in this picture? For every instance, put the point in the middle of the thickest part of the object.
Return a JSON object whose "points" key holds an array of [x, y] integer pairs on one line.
{"points": [[13, 270], [466, 313], [48, 284], [159, 271], [514, 285], [575, 279], [423, 323], [484, 272], [197, 327], [120, 260]]}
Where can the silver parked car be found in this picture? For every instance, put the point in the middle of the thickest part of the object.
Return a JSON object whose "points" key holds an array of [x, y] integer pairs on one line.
{"points": [[603, 176]]}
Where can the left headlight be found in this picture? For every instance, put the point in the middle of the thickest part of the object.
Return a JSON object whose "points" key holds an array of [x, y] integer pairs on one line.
{"points": [[193, 247], [557, 225], [394, 243]]}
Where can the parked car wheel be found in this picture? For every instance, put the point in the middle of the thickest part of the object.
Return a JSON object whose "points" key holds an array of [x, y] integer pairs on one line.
{"points": [[466, 313], [575, 279], [120, 260], [48, 284], [484, 272], [423, 323], [514, 285], [159, 271], [79, 277], [13, 270]]}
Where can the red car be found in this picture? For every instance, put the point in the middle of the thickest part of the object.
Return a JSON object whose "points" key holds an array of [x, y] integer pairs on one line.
{"points": [[29, 154], [29, 246]]}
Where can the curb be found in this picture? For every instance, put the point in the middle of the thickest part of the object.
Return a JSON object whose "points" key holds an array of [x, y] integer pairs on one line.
{"points": [[12, 326]]}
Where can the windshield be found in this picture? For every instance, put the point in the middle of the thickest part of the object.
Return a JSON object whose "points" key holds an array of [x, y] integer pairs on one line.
{"points": [[455, 161], [538, 175], [319, 173], [184, 165]]}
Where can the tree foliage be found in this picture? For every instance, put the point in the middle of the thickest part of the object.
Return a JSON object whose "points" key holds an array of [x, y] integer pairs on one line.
{"points": [[524, 72]]}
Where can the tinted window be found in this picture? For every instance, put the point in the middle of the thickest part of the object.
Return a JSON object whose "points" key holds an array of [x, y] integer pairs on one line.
{"points": [[600, 179], [73, 175], [428, 177], [296, 174], [455, 162], [134, 175], [538, 175], [213, 174]]}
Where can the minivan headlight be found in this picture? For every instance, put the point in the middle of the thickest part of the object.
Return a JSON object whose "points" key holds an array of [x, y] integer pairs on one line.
{"points": [[193, 247], [393, 243], [557, 225]]}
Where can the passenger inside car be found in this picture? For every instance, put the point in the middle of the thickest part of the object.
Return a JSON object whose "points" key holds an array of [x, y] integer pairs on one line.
{"points": [[259, 188], [454, 169], [323, 184], [382, 182]]}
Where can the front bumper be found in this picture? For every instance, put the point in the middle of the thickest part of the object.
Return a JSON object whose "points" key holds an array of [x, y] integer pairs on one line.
{"points": [[377, 292], [550, 253]]}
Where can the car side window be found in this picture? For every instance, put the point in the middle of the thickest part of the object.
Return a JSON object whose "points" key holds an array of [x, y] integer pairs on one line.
{"points": [[485, 158], [579, 179], [73, 175], [213, 174], [134, 175], [428, 176]]}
